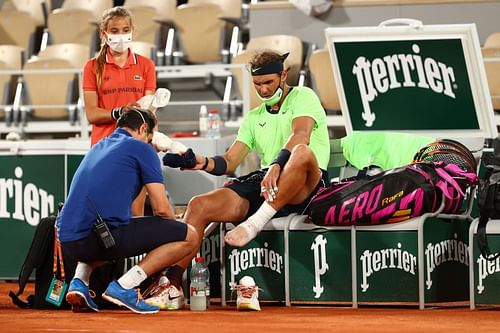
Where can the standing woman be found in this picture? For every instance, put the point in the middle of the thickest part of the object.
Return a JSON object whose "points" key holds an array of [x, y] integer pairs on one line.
{"points": [[116, 78]]}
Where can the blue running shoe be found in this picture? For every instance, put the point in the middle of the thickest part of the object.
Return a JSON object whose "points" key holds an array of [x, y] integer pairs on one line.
{"points": [[79, 296], [129, 298]]}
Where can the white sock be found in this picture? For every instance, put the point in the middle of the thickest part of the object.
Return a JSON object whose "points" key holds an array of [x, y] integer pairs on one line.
{"points": [[132, 278], [83, 271], [258, 220]]}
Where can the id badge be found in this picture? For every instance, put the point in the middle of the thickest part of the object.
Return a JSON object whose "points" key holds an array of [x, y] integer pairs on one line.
{"points": [[56, 292]]}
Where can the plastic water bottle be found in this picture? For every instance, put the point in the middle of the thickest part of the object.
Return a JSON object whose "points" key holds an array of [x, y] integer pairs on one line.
{"points": [[200, 285], [214, 124], [203, 121]]}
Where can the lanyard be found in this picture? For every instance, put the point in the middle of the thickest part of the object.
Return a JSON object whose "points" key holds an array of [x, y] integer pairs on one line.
{"points": [[58, 257]]}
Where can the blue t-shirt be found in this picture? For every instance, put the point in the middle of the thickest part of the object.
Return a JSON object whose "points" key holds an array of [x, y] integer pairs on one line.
{"points": [[111, 176]]}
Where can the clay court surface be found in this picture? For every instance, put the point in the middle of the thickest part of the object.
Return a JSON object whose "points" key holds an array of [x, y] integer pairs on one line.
{"points": [[272, 318]]}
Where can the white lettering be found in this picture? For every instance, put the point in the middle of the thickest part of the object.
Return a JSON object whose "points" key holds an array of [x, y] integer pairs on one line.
{"points": [[320, 263], [381, 75], [372, 262], [241, 260], [24, 202]]}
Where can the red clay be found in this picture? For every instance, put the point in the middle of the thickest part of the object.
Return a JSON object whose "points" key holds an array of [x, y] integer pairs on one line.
{"points": [[270, 319]]}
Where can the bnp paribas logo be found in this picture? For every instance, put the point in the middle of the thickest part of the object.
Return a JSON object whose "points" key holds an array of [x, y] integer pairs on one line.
{"points": [[398, 71], [24, 201]]}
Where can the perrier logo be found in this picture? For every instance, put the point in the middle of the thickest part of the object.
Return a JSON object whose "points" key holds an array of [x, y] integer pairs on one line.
{"points": [[24, 201], [399, 71]]}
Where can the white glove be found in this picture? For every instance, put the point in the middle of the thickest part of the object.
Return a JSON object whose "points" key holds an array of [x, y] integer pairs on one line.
{"points": [[158, 100], [164, 143]]}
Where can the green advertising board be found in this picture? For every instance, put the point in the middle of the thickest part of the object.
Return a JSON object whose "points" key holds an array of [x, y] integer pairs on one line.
{"points": [[262, 259], [409, 77], [34, 178], [320, 266], [485, 274], [30, 188], [387, 266], [446, 253]]}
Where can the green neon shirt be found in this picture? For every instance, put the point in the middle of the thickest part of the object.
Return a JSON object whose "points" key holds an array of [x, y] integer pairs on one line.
{"points": [[267, 133], [386, 150]]}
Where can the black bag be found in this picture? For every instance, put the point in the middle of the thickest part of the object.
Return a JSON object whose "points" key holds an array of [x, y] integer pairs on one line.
{"points": [[40, 259], [392, 196], [489, 207]]}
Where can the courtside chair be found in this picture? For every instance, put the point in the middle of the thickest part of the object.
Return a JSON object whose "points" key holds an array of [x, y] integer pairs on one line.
{"points": [[73, 26], [244, 58], [236, 18], [199, 34], [73, 53], [52, 95], [323, 81], [11, 58], [145, 49], [96, 7], [282, 44], [36, 8], [18, 28], [493, 40], [491, 58], [152, 19]]}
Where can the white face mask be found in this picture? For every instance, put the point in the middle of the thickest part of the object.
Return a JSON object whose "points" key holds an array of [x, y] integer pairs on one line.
{"points": [[119, 42], [275, 98]]}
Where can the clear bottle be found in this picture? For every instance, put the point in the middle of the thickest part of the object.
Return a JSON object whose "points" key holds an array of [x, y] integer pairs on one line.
{"points": [[200, 285], [214, 124], [203, 121]]}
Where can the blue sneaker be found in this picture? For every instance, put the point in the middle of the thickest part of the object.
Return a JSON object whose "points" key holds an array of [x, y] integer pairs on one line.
{"points": [[79, 296], [129, 298]]}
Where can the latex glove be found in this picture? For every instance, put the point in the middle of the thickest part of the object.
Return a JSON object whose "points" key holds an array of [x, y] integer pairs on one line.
{"points": [[164, 143]]}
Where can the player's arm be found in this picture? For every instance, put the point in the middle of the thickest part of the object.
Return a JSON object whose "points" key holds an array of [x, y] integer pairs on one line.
{"points": [[159, 202], [216, 165], [233, 158], [97, 115], [302, 128]]}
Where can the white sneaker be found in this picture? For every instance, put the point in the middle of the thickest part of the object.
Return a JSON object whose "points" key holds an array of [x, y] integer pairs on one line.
{"points": [[247, 294], [164, 295]]}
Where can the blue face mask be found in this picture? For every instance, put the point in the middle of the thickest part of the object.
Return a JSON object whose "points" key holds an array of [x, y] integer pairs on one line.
{"points": [[275, 98]]}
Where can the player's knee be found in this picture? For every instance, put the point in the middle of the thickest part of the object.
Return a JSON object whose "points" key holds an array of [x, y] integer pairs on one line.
{"points": [[197, 205], [301, 155], [192, 237]]}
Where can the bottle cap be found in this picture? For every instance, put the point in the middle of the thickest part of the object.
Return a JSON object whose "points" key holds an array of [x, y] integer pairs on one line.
{"points": [[213, 111], [199, 259]]}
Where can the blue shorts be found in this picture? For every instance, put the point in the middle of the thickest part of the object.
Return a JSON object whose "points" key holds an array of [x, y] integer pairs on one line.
{"points": [[248, 187], [141, 235]]}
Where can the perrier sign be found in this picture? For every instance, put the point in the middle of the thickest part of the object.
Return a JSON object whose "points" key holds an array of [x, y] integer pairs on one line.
{"points": [[428, 79], [387, 83]]}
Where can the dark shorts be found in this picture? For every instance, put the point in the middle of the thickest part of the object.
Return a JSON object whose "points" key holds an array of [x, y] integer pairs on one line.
{"points": [[248, 187], [141, 235]]}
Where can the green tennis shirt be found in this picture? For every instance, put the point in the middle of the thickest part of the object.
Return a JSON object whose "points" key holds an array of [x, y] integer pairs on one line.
{"points": [[267, 133]]}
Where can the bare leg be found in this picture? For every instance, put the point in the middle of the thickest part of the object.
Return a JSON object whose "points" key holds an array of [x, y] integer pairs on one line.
{"points": [[296, 183], [138, 203], [220, 205], [169, 253]]}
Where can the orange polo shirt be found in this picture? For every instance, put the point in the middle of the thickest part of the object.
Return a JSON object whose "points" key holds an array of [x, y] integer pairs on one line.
{"points": [[119, 86]]}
